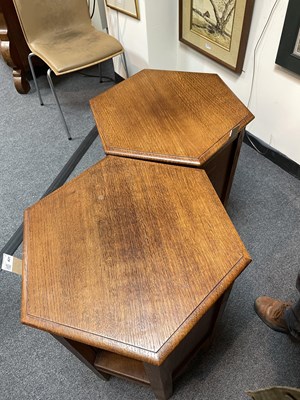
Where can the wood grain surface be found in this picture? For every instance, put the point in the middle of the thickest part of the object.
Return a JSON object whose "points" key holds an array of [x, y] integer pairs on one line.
{"points": [[128, 256], [178, 117]]}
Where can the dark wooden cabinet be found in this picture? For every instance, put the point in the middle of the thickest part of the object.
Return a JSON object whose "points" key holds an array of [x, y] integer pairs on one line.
{"points": [[14, 49], [13, 46]]}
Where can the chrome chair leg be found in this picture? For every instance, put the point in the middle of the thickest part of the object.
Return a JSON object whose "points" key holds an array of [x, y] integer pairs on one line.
{"points": [[30, 55], [57, 102]]}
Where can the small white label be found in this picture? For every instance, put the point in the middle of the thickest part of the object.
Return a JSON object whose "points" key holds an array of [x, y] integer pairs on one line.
{"points": [[7, 262], [207, 46]]}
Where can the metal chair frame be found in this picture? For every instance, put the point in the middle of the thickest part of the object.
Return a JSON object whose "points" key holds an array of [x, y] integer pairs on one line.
{"points": [[53, 89]]}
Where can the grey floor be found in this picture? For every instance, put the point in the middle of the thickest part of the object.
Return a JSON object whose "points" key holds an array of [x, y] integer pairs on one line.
{"points": [[264, 206]]}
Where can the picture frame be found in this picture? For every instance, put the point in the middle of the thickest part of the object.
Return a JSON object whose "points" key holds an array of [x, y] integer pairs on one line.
{"points": [[296, 51], [218, 29], [128, 7], [288, 54]]}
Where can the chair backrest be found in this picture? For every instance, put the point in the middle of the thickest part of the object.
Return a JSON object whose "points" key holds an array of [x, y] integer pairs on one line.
{"points": [[37, 17]]}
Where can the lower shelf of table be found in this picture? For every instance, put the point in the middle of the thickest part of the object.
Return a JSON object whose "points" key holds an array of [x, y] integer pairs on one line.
{"points": [[115, 364], [199, 338]]}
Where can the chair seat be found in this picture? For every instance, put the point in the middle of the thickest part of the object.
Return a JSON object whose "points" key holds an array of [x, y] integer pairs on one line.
{"points": [[71, 50]]}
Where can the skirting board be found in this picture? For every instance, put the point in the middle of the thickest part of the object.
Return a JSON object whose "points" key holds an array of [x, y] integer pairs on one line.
{"points": [[273, 155]]}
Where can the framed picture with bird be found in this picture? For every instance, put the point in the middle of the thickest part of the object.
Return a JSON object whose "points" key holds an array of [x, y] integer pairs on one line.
{"points": [[217, 28]]}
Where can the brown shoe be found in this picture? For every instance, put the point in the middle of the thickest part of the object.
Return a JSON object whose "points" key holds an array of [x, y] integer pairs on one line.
{"points": [[271, 312]]}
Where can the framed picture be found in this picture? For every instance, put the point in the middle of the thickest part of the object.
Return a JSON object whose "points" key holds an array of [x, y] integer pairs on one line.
{"points": [[217, 28], [288, 55], [129, 7], [296, 51]]}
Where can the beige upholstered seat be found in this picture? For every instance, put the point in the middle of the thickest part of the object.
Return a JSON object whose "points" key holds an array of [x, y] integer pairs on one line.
{"points": [[70, 48], [61, 34]]}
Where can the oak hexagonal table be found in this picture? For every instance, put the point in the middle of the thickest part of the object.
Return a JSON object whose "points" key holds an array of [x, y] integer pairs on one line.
{"points": [[129, 265], [183, 118]]}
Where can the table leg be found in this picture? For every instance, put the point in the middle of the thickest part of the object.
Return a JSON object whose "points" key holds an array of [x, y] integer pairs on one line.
{"points": [[160, 380], [84, 353], [221, 167], [235, 158]]}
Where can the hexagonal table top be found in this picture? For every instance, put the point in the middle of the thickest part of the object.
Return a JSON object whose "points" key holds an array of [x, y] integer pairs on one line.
{"points": [[179, 117], [128, 257]]}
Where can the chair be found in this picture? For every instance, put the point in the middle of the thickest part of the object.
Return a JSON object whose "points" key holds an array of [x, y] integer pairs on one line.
{"points": [[61, 34]]}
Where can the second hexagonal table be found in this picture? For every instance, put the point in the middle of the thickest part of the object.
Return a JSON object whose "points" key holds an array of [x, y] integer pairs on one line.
{"points": [[130, 265], [184, 118]]}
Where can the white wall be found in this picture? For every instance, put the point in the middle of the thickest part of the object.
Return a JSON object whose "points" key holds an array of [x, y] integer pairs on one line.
{"points": [[99, 17], [153, 42], [132, 34], [161, 33]]}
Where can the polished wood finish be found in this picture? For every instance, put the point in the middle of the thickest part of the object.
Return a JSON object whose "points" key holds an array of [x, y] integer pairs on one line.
{"points": [[13, 47], [161, 377], [176, 117], [133, 258]]}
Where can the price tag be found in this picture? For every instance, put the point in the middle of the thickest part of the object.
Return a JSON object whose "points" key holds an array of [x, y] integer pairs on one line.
{"points": [[7, 262]]}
